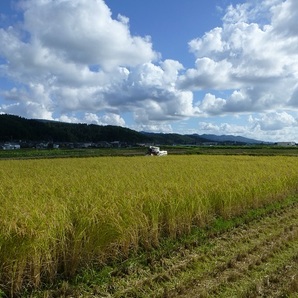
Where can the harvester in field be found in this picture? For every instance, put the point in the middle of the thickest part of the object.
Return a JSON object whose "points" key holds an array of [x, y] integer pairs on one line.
{"points": [[155, 151]]}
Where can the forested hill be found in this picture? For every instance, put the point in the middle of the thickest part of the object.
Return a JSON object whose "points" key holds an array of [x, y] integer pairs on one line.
{"points": [[15, 128]]}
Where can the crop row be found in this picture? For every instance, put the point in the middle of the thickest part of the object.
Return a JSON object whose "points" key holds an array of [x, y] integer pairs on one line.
{"points": [[59, 215]]}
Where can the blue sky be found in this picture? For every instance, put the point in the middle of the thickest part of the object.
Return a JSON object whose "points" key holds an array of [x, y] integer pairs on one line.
{"points": [[216, 67]]}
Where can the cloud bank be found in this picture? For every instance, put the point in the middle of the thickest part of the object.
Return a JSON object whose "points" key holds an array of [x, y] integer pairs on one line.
{"points": [[69, 60]]}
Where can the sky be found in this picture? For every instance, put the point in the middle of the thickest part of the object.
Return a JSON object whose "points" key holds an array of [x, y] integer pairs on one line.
{"points": [[195, 66]]}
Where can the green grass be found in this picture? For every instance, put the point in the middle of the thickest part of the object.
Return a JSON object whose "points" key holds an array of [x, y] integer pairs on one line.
{"points": [[59, 153], [255, 150]]}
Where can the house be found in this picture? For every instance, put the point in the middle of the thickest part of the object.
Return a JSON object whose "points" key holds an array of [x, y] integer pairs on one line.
{"points": [[83, 145], [103, 144], [42, 145], [287, 144], [11, 146]]}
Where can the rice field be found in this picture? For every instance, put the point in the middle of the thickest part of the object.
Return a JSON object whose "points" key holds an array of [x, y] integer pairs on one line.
{"points": [[59, 215]]}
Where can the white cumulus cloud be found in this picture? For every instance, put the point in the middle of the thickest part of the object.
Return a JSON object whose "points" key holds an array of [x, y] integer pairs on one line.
{"points": [[254, 53], [70, 60], [275, 121], [86, 62]]}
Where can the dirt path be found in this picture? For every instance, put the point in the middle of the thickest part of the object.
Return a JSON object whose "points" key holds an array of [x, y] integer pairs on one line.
{"points": [[258, 259]]}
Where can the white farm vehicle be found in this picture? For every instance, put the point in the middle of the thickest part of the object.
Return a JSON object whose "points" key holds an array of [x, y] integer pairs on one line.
{"points": [[156, 151]]}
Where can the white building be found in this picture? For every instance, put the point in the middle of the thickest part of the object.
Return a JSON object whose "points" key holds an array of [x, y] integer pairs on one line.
{"points": [[11, 146], [286, 144]]}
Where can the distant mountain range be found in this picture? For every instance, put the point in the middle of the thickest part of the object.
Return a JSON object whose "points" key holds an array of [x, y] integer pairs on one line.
{"points": [[231, 138], [15, 128]]}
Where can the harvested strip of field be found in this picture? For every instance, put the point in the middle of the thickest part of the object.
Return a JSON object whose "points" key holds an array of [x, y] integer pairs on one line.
{"points": [[256, 259], [252, 260]]}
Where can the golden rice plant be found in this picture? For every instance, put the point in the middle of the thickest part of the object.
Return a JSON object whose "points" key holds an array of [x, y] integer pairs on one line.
{"points": [[59, 215]]}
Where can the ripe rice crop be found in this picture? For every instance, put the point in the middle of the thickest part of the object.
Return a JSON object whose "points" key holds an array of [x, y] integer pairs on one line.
{"points": [[59, 215]]}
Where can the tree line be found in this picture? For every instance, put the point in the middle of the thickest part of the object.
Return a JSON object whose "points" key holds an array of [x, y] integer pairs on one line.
{"points": [[16, 128]]}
